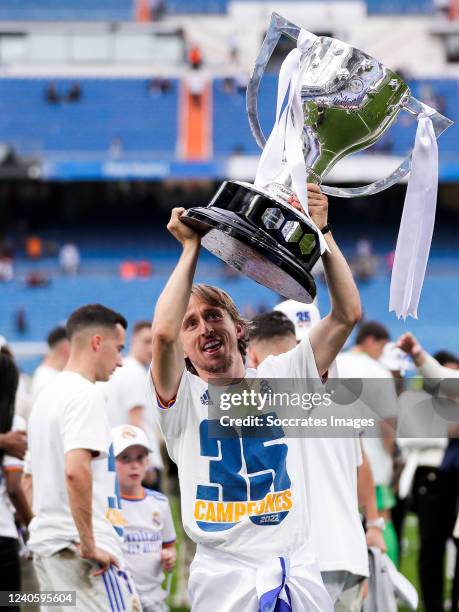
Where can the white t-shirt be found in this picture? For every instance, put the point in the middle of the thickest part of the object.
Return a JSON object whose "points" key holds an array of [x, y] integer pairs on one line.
{"points": [[9, 464], [23, 401], [381, 395], [126, 389], [70, 414], [336, 529], [148, 526], [245, 496], [42, 376]]}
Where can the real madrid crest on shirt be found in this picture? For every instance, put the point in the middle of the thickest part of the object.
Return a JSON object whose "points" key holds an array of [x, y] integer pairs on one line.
{"points": [[157, 520]]}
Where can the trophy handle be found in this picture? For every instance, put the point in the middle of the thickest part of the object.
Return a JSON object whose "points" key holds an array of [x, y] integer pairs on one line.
{"points": [[278, 26], [414, 107]]}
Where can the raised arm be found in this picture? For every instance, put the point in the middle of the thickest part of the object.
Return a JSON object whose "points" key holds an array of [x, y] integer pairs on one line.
{"points": [[329, 335], [448, 379], [168, 360]]}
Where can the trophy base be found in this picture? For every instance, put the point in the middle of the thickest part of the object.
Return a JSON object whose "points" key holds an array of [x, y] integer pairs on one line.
{"points": [[261, 237]]}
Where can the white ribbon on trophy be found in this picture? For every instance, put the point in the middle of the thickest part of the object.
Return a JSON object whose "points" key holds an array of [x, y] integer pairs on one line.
{"points": [[284, 145], [416, 227]]}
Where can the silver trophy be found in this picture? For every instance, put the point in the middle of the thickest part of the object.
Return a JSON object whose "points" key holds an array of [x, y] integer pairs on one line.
{"points": [[348, 100]]}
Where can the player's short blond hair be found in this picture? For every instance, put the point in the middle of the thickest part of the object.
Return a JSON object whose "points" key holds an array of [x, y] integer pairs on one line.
{"points": [[217, 297]]}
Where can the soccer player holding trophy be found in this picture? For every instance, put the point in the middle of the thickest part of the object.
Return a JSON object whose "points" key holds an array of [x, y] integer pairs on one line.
{"points": [[244, 500]]}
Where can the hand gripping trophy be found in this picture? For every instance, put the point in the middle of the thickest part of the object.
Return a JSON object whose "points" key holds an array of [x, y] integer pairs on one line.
{"points": [[333, 100]]}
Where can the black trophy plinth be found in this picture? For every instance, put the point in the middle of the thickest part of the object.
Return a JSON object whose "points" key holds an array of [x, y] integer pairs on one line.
{"points": [[261, 237]]}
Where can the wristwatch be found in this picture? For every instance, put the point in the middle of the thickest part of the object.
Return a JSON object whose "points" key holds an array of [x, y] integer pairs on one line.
{"points": [[379, 523]]}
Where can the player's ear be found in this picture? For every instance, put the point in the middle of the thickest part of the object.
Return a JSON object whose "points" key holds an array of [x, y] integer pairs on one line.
{"points": [[239, 331], [96, 341]]}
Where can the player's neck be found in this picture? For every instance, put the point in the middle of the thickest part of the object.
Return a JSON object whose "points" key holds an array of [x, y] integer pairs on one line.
{"points": [[135, 491], [80, 364], [53, 361], [133, 355]]}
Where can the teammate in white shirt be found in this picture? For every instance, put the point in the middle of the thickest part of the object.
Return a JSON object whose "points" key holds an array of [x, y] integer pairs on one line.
{"points": [[54, 362], [76, 531], [362, 362], [337, 476], [243, 499], [149, 534], [127, 396], [303, 316], [12, 499]]}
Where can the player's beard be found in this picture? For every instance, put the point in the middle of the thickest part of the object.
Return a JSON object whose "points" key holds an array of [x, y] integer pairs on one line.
{"points": [[218, 368]]}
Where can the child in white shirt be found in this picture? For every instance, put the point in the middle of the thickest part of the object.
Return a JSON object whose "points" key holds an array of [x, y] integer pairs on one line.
{"points": [[149, 535]]}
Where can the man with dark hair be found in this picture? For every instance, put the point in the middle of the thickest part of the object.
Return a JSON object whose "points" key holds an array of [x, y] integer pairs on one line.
{"points": [[268, 329], [93, 315], [54, 362], [371, 339], [127, 397], [56, 335], [447, 359], [243, 500], [75, 533]]}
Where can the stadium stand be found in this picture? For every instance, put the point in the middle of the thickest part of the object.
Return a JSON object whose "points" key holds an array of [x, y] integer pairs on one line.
{"points": [[99, 280], [124, 10], [117, 117], [196, 6], [97, 10], [400, 7], [70, 10], [111, 113], [47, 306]]}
